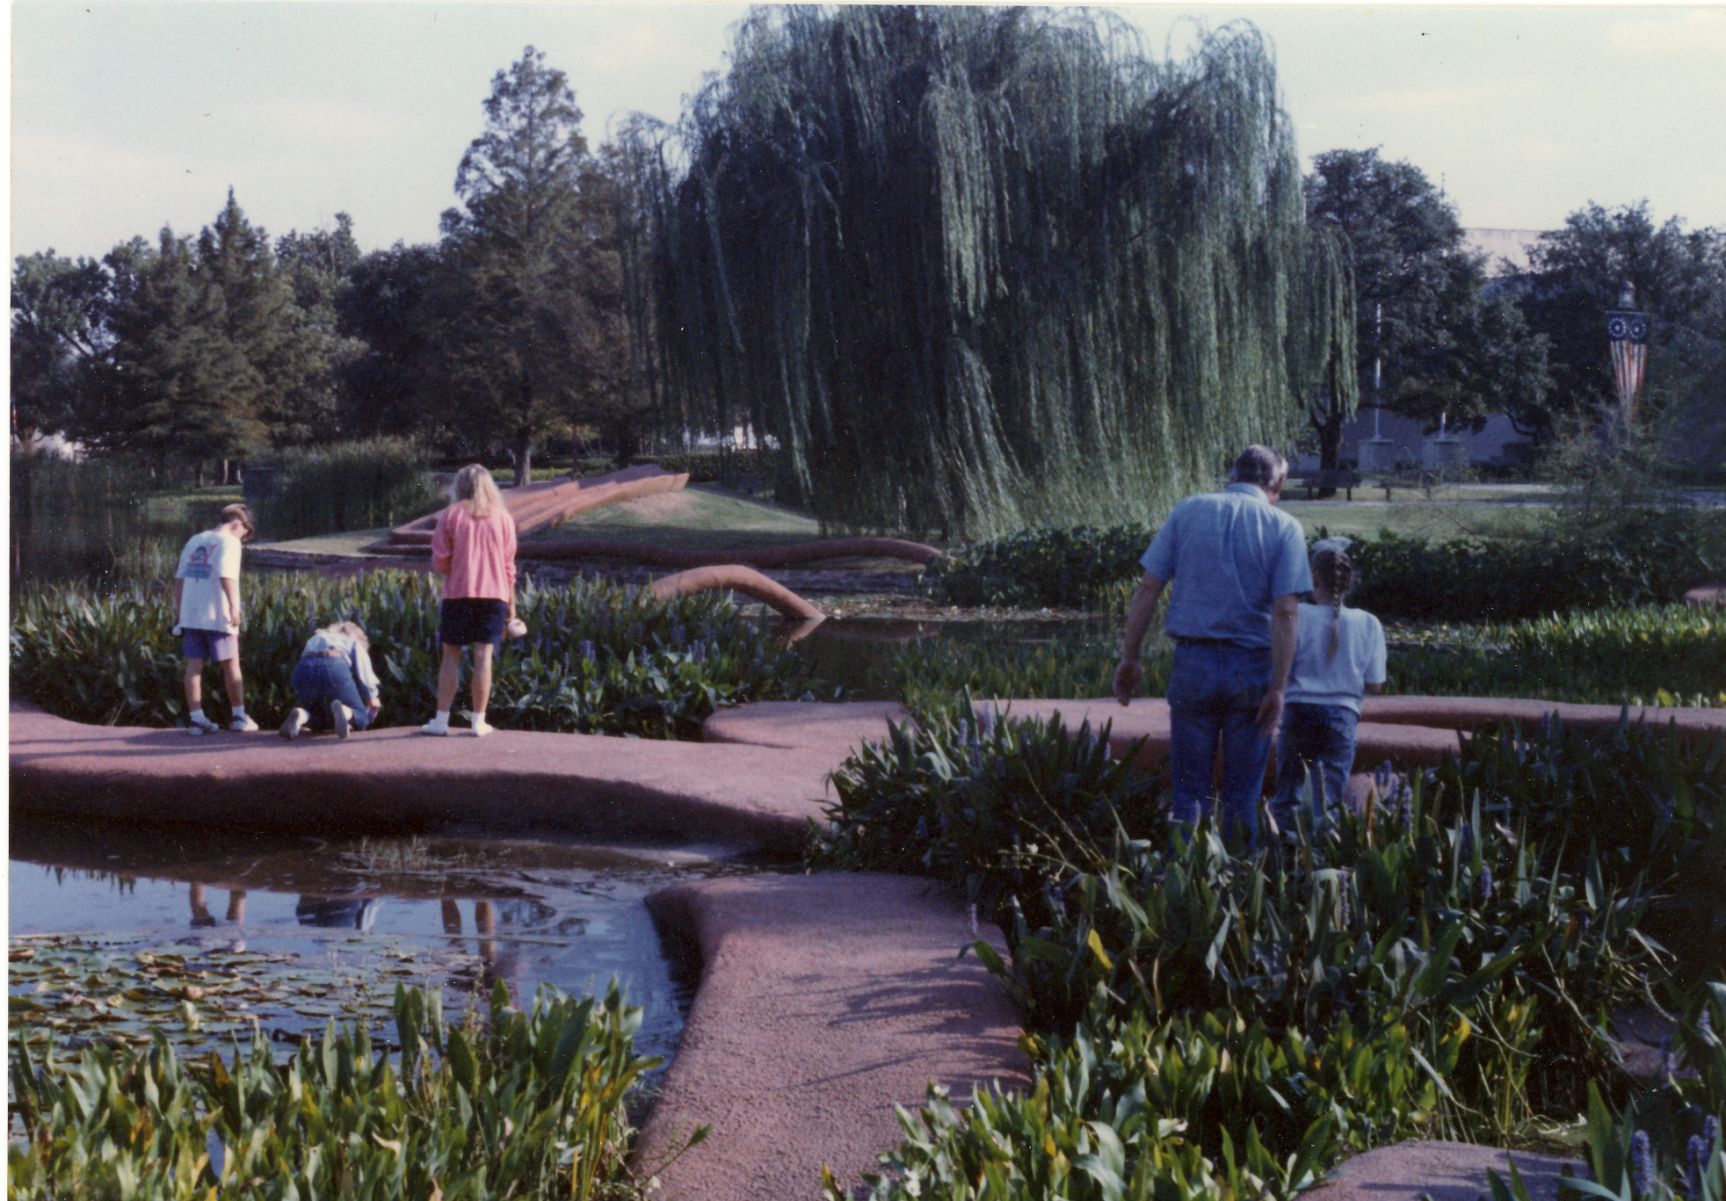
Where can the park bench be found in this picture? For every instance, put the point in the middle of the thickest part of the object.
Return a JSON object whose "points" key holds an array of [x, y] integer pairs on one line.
{"points": [[1330, 480]]}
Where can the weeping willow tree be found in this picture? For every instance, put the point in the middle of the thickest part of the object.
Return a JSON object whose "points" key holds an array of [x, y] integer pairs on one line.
{"points": [[983, 269]]}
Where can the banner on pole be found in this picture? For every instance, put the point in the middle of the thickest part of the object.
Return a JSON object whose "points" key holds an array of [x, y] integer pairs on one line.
{"points": [[1628, 334]]}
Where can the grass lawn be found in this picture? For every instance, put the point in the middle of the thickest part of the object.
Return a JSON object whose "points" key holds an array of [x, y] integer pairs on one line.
{"points": [[1450, 513], [692, 518], [347, 543]]}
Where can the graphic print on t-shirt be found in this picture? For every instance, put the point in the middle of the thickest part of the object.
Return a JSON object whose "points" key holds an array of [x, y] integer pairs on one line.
{"points": [[198, 564]]}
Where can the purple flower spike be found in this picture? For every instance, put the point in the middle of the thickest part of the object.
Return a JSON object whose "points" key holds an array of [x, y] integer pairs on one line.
{"points": [[1711, 1131], [1695, 1158], [1641, 1164], [1483, 885], [585, 648], [698, 651]]}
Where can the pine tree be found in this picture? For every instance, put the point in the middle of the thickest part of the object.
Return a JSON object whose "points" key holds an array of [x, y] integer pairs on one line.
{"points": [[318, 266], [262, 323], [176, 389]]}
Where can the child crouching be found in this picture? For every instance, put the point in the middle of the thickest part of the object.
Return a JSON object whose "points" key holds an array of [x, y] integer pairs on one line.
{"points": [[334, 684]]}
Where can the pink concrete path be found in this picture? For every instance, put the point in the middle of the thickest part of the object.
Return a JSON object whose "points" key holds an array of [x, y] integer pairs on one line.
{"points": [[1439, 1170], [592, 786], [825, 1000]]}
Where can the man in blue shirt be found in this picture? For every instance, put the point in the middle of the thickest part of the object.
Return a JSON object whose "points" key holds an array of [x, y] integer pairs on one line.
{"points": [[1239, 567]]}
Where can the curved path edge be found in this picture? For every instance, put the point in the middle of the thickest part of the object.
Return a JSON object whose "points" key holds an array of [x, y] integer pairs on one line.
{"points": [[825, 1001]]}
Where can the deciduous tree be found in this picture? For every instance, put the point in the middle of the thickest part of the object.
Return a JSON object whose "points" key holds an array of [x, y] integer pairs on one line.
{"points": [[1680, 279], [532, 330], [1442, 349], [57, 340]]}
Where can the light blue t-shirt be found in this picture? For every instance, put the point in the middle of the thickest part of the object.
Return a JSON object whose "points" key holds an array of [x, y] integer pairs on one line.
{"points": [[1228, 555], [1359, 658]]}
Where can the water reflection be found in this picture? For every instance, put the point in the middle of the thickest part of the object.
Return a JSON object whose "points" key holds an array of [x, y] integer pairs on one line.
{"points": [[256, 918]]}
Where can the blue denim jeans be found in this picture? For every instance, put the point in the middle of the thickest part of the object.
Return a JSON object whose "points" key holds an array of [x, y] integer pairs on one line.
{"points": [[318, 681], [1316, 741], [1214, 695]]}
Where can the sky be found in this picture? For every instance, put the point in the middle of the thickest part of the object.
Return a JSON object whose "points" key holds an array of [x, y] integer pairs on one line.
{"points": [[128, 115]]}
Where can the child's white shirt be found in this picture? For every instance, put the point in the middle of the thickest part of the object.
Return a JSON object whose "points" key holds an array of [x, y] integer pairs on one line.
{"points": [[1359, 659], [207, 559]]}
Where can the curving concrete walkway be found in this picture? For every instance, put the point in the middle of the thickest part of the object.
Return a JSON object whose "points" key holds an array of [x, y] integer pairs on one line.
{"points": [[825, 1000]]}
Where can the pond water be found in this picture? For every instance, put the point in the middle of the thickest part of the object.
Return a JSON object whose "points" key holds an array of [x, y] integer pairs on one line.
{"points": [[113, 932]]}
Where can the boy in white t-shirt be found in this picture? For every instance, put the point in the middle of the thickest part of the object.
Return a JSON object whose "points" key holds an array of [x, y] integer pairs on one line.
{"points": [[207, 613], [1339, 656]]}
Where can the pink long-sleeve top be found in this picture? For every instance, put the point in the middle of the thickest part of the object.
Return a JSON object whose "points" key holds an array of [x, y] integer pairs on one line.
{"points": [[474, 555]]}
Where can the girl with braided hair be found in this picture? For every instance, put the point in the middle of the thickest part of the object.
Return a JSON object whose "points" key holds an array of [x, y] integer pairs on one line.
{"points": [[1339, 657]]}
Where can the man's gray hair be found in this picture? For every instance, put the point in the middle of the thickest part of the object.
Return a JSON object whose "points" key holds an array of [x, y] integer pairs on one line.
{"points": [[1259, 465]]}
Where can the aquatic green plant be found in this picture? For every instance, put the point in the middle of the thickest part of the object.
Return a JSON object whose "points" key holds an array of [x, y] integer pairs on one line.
{"points": [[599, 658], [528, 1103]]}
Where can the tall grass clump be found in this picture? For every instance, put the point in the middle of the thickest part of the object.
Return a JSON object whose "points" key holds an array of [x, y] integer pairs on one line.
{"points": [[350, 486], [94, 519], [600, 657], [526, 1104]]}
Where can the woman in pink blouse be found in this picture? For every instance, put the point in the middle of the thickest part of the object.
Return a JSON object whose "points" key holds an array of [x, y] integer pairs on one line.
{"points": [[473, 548]]}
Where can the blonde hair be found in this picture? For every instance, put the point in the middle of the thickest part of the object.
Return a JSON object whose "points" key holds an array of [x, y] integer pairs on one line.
{"points": [[1334, 571], [474, 485], [352, 629]]}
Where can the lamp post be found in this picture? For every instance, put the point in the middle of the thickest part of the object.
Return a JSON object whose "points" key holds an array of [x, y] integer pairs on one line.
{"points": [[1627, 336]]}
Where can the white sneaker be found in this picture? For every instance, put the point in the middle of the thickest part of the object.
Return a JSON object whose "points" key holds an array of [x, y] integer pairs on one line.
{"points": [[340, 716], [243, 725], [436, 727], [200, 725], [297, 719], [481, 727]]}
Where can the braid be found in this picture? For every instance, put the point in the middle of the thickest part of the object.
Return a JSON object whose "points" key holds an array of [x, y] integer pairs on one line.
{"points": [[1335, 571]]}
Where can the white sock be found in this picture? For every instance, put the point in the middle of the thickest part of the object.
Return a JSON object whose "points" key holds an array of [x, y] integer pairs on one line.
{"points": [[442, 716], [239, 711], [198, 714]]}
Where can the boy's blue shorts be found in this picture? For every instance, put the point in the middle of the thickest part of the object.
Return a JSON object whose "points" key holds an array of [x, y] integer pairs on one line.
{"points": [[213, 646]]}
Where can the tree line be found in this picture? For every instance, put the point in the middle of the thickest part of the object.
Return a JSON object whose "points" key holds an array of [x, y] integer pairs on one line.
{"points": [[966, 266], [190, 352]]}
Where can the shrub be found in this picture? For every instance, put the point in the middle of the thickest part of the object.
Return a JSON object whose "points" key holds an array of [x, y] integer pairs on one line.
{"points": [[1648, 556], [712, 466], [530, 1104], [1658, 655], [1050, 569], [349, 486], [1000, 809], [599, 658]]}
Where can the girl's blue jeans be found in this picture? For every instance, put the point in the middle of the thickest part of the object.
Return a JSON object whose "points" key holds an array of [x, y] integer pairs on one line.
{"points": [[320, 680], [1316, 744]]}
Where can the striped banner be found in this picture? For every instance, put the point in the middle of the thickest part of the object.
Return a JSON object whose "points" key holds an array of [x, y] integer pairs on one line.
{"points": [[1628, 333]]}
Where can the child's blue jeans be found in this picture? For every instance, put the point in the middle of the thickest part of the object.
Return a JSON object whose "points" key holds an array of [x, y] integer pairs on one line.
{"points": [[320, 679], [1316, 743]]}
